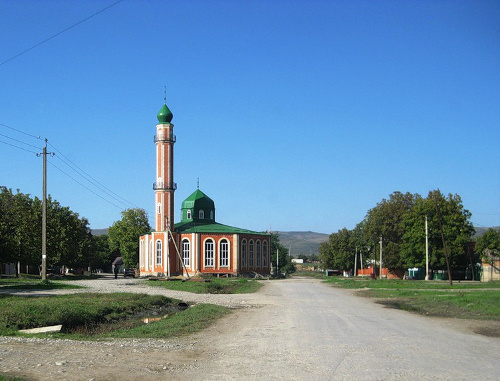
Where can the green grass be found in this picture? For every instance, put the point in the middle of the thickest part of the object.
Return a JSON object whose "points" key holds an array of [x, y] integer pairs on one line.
{"points": [[185, 322], [467, 300], [25, 283], [214, 286], [100, 316]]}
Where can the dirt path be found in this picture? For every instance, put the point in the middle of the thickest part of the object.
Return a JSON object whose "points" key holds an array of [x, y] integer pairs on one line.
{"points": [[295, 329]]}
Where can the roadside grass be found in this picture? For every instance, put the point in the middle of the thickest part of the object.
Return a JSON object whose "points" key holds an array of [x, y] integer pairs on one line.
{"points": [[212, 286], [465, 300], [11, 378], [99, 316], [33, 283]]}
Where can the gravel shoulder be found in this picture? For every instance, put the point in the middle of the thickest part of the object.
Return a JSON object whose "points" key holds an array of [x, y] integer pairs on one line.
{"points": [[298, 329]]}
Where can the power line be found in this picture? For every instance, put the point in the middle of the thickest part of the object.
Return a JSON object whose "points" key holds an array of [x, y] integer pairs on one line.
{"points": [[19, 141], [78, 182], [59, 33], [21, 132], [21, 148], [92, 180]]}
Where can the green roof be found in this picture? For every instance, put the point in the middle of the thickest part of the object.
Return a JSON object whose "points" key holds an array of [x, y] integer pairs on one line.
{"points": [[214, 227], [164, 115], [196, 202]]}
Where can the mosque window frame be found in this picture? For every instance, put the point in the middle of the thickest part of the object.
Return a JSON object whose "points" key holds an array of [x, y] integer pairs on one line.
{"points": [[211, 214], [201, 214], [186, 252], [257, 254], [209, 253], [188, 214], [224, 253], [244, 253], [264, 254], [250, 254], [158, 252], [158, 207]]}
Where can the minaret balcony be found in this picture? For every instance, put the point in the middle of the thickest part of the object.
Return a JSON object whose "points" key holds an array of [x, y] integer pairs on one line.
{"points": [[164, 187], [168, 138]]}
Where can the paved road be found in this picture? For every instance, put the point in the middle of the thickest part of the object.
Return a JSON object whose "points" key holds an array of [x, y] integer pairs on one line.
{"points": [[297, 329]]}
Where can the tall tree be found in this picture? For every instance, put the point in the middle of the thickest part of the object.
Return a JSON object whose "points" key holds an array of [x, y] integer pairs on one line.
{"points": [[488, 246], [124, 235], [457, 229], [338, 252], [385, 220]]}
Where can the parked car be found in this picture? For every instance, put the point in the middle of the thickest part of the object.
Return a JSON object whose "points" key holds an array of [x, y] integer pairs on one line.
{"points": [[129, 272]]}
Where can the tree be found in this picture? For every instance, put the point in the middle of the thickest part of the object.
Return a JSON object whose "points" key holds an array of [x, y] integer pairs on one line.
{"points": [[124, 235], [385, 220], [457, 229], [338, 251], [278, 251], [488, 246], [102, 255]]}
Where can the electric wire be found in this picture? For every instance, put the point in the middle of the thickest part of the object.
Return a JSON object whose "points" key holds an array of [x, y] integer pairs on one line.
{"points": [[102, 188], [92, 180], [78, 182], [21, 148], [19, 141], [21, 132], [59, 33]]}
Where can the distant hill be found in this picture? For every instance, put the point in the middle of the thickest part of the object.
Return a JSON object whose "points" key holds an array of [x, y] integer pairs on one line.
{"points": [[306, 243], [481, 231], [97, 232]]}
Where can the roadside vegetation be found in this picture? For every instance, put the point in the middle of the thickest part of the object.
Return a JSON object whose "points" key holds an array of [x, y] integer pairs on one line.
{"points": [[100, 316], [464, 300], [32, 282], [210, 286]]}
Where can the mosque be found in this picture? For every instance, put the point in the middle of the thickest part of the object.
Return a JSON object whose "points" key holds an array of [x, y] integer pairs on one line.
{"points": [[197, 244]]}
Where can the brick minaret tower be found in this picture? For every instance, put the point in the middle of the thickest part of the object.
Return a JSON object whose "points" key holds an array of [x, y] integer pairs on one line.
{"points": [[164, 185]]}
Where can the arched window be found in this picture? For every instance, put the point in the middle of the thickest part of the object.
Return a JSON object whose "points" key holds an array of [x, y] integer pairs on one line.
{"points": [[189, 214], [250, 253], [201, 214], [158, 206], [209, 253], [224, 253], [264, 254], [244, 253], [158, 252], [257, 247], [211, 214], [185, 252]]}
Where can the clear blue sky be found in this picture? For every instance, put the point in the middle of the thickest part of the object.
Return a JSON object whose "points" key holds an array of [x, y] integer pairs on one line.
{"points": [[294, 115]]}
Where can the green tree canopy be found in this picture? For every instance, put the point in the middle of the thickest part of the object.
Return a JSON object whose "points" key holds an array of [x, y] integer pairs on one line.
{"points": [[338, 252], [385, 220], [488, 245], [457, 229], [124, 235]]}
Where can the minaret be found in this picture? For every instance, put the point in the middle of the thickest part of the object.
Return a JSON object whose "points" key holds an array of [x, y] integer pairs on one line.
{"points": [[164, 186]]}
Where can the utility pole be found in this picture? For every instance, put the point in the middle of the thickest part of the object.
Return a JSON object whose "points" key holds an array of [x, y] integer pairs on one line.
{"points": [[44, 211], [444, 241], [355, 262], [380, 275], [426, 250]]}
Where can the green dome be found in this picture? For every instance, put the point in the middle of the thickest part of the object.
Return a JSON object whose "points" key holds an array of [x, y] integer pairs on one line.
{"points": [[196, 202], [165, 115]]}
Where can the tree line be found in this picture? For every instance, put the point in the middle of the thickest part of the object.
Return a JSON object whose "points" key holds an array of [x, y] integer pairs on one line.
{"points": [[399, 223], [69, 238]]}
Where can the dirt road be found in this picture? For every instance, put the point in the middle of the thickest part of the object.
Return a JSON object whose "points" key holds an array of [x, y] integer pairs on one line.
{"points": [[297, 329]]}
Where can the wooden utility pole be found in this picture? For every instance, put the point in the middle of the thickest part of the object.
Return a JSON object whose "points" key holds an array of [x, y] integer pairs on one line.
{"points": [[44, 211]]}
